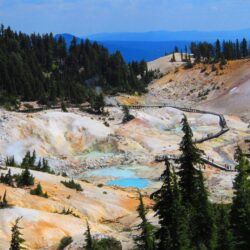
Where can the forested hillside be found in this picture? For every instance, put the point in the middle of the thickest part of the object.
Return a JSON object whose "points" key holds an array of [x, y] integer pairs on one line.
{"points": [[39, 67], [220, 51]]}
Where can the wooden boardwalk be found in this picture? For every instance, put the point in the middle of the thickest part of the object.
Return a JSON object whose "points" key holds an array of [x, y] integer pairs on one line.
{"points": [[206, 160], [223, 130]]}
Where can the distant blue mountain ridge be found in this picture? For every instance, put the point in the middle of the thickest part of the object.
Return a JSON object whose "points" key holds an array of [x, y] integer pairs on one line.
{"points": [[152, 45], [157, 36]]}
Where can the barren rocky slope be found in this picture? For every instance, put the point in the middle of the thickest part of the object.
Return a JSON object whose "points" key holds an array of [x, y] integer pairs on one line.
{"points": [[109, 210], [164, 64], [220, 89]]}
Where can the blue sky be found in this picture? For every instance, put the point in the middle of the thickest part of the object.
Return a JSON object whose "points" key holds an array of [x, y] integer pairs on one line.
{"points": [[82, 17]]}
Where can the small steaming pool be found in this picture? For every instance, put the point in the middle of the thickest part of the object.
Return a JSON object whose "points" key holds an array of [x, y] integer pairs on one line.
{"points": [[98, 154], [123, 176]]}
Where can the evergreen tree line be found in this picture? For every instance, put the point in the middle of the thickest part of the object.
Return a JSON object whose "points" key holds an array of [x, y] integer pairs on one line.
{"points": [[18, 180], [30, 161], [40, 67], [220, 51], [24, 179], [187, 219]]}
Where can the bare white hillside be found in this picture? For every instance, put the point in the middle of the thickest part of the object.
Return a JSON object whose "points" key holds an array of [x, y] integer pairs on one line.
{"points": [[164, 63]]}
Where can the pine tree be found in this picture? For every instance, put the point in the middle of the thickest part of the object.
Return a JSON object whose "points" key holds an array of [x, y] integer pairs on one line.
{"points": [[39, 191], [193, 190], [32, 159], [26, 159], [3, 201], [173, 57], [240, 211], [26, 178], [39, 165], [180, 233], [238, 154], [16, 238], [223, 61], [146, 240], [223, 232], [126, 115], [63, 107], [202, 224], [10, 161], [217, 50], [45, 166], [237, 48], [173, 232], [189, 160], [186, 54], [7, 178], [88, 239], [97, 103], [244, 48], [163, 200]]}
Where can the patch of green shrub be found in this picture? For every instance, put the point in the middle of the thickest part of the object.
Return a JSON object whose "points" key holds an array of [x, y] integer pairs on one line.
{"points": [[72, 184], [65, 241], [39, 191], [107, 244]]}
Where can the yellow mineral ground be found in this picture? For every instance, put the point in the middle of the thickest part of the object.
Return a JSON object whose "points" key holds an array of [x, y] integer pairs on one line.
{"points": [[43, 226]]}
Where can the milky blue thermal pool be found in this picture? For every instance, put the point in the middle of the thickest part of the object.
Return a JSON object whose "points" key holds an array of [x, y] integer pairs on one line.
{"points": [[112, 172], [130, 182], [125, 177]]}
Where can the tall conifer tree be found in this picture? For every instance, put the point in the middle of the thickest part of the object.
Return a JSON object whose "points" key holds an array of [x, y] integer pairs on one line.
{"points": [[16, 238], [189, 159], [244, 48], [146, 240], [240, 212], [163, 198], [173, 232], [88, 239], [194, 193], [180, 234], [201, 224], [217, 50], [223, 231]]}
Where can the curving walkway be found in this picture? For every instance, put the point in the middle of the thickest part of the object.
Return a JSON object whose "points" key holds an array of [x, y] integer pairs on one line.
{"points": [[207, 160], [35, 110]]}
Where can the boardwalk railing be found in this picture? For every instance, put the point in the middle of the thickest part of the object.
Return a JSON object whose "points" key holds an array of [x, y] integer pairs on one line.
{"points": [[35, 110], [161, 158], [223, 130], [222, 120]]}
